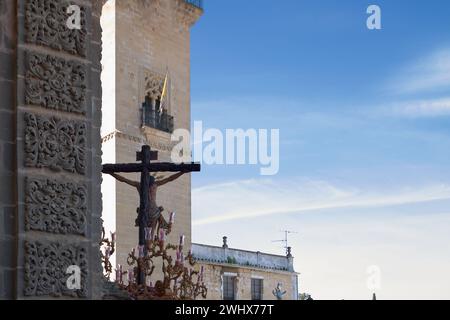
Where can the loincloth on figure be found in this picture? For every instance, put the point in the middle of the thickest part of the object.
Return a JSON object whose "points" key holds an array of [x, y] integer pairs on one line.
{"points": [[154, 218]]}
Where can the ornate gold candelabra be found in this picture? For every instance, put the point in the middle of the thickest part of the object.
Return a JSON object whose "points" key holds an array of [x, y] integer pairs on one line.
{"points": [[180, 279], [109, 249]]}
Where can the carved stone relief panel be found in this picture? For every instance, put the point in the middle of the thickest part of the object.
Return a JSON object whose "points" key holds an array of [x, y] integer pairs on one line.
{"points": [[152, 85], [55, 83], [46, 24], [55, 206], [51, 142], [47, 269]]}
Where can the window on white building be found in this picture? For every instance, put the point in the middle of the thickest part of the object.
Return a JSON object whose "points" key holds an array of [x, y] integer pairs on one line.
{"points": [[257, 289], [229, 287]]}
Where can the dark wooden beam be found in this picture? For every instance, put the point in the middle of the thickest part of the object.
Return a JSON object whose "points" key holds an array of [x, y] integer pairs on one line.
{"points": [[152, 167], [153, 155], [145, 156]]}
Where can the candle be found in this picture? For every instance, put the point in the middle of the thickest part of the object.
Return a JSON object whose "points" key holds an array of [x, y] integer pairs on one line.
{"points": [[178, 255], [162, 235], [141, 251], [172, 217], [182, 258], [120, 274], [130, 276], [202, 272], [136, 251], [152, 234], [182, 240], [117, 275]]}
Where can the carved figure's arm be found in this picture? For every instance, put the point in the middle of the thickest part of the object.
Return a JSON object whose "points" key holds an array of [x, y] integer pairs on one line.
{"points": [[125, 180], [169, 179]]}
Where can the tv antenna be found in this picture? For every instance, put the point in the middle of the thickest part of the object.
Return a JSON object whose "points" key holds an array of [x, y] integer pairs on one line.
{"points": [[286, 239]]}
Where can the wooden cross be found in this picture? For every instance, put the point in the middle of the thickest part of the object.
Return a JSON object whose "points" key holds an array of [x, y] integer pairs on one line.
{"points": [[145, 167]]}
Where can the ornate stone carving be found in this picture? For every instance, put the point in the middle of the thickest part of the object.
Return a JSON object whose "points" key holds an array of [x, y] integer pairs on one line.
{"points": [[153, 85], [56, 207], [55, 83], [46, 24], [55, 143], [46, 269]]}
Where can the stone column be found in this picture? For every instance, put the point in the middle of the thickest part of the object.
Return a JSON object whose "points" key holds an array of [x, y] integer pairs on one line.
{"points": [[8, 232], [50, 149]]}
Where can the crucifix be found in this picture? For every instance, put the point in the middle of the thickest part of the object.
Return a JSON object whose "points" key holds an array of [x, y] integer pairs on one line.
{"points": [[149, 215]]}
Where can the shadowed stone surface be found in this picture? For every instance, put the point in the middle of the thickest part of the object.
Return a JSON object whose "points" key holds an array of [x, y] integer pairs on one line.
{"points": [[50, 108], [8, 230]]}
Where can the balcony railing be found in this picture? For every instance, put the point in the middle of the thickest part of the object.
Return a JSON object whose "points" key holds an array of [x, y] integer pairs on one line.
{"points": [[154, 117], [195, 3]]}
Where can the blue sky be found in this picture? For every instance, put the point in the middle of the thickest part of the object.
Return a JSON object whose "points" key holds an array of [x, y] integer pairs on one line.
{"points": [[364, 119]]}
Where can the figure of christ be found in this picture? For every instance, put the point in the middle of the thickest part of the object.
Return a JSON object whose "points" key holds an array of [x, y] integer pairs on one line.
{"points": [[154, 218]]}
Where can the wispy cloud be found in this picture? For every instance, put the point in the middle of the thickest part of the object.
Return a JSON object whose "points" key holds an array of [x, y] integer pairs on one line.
{"points": [[253, 198], [421, 108], [424, 87], [424, 75]]}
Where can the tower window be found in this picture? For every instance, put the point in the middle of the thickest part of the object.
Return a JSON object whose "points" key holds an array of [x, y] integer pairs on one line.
{"points": [[156, 117]]}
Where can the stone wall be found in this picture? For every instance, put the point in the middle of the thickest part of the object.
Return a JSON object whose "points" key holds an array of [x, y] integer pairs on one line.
{"points": [[50, 147], [214, 274]]}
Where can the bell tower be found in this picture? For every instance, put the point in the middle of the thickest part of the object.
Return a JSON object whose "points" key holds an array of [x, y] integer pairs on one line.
{"points": [[146, 95]]}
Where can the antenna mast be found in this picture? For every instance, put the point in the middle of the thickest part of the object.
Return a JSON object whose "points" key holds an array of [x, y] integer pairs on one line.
{"points": [[286, 239]]}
